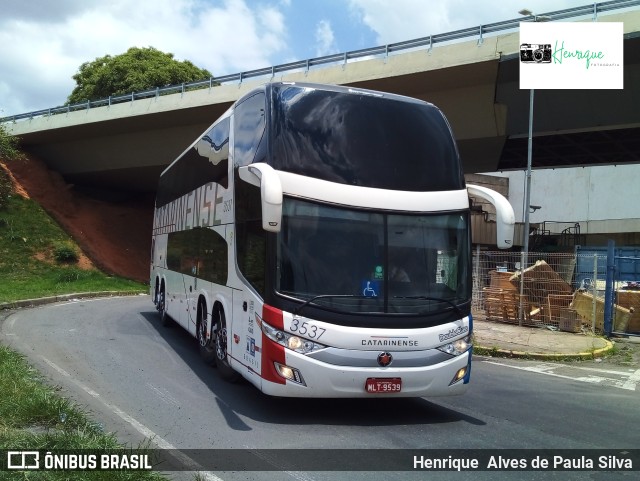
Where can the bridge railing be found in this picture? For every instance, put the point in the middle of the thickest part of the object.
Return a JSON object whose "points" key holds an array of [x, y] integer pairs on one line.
{"points": [[429, 42]]}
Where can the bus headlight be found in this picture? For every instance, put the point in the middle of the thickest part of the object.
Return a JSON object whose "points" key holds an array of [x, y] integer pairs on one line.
{"points": [[295, 343], [290, 373], [457, 347]]}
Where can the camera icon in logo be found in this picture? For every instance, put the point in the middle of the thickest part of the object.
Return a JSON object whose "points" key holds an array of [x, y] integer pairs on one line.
{"points": [[535, 53]]}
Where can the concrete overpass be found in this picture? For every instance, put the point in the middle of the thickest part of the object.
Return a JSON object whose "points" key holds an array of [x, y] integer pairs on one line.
{"points": [[125, 146]]}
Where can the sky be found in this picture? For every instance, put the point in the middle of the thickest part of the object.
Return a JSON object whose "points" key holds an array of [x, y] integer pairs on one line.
{"points": [[44, 42]]}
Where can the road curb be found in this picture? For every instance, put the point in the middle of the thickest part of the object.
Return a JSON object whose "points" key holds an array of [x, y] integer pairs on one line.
{"points": [[26, 303], [492, 351]]}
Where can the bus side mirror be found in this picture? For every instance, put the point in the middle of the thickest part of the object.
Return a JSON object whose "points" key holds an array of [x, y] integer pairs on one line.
{"points": [[505, 218], [264, 176]]}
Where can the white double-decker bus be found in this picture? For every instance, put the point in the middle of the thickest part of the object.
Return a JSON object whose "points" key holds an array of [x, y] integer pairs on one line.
{"points": [[315, 240]]}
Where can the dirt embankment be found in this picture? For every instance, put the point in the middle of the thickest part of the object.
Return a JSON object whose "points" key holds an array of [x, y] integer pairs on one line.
{"points": [[115, 235]]}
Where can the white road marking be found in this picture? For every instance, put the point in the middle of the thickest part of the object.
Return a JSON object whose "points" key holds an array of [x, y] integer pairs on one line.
{"points": [[138, 426], [56, 367], [547, 369], [633, 381], [602, 371], [85, 299], [90, 391]]}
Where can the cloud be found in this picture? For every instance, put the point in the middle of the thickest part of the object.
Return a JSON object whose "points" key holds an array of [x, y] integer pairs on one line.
{"points": [[407, 19], [410, 19], [325, 40], [44, 11], [50, 40]]}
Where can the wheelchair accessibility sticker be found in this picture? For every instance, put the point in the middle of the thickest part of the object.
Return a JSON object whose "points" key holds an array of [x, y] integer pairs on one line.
{"points": [[370, 288]]}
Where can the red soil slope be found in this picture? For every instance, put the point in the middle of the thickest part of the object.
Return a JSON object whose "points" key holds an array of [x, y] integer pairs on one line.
{"points": [[115, 235]]}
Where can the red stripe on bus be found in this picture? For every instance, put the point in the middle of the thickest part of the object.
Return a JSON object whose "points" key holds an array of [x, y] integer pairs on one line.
{"points": [[273, 317], [272, 351]]}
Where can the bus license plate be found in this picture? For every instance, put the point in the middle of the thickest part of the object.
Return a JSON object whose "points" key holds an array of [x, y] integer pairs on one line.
{"points": [[381, 385]]}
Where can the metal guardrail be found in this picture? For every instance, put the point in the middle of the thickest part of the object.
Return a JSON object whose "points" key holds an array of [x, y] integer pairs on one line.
{"points": [[467, 33]]}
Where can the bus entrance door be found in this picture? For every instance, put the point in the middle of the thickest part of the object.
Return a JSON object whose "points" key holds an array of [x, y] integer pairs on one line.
{"points": [[247, 331]]}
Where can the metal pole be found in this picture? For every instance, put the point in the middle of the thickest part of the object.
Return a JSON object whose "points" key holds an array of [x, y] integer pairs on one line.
{"points": [[476, 278], [608, 290], [520, 301], [527, 204], [594, 291], [527, 207]]}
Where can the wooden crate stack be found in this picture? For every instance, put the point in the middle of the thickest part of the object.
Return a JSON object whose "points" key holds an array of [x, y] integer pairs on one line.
{"points": [[549, 300], [502, 300], [546, 298]]}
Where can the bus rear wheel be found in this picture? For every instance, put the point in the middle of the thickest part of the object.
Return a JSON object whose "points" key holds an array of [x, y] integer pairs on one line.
{"points": [[206, 343], [165, 320], [226, 371]]}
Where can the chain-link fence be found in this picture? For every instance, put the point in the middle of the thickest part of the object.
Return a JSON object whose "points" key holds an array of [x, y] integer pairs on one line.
{"points": [[562, 291]]}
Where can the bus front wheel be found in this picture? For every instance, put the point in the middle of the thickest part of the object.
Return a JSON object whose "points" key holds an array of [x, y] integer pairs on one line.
{"points": [[226, 371]]}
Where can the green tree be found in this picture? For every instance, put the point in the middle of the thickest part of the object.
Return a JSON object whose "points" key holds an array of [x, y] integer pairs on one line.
{"points": [[9, 145], [9, 150], [133, 71]]}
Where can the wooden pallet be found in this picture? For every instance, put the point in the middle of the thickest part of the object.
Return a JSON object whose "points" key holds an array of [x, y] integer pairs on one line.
{"points": [[562, 314], [504, 306], [540, 280], [583, 303], [631, 301]]}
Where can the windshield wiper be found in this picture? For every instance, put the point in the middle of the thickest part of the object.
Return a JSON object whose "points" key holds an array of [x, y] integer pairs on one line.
{"points": [[298, 309], [428, 298]]}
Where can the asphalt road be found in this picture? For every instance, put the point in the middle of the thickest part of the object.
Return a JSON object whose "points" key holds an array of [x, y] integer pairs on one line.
{"points": [[143, 381]]}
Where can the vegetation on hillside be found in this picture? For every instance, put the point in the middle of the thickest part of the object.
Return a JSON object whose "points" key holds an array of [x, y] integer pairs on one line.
{"points": [[9, 150], [9, 146], [38, 259]]}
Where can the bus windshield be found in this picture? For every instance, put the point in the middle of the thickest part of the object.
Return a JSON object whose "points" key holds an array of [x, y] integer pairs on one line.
{"points": [[350, 260], [363, 140]]}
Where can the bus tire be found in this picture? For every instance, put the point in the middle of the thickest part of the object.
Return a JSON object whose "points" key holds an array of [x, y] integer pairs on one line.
{"points": [[165, 320], [206, 344], [222, 363]]}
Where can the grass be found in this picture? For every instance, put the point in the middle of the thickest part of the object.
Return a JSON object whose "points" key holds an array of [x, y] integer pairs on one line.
{"points": [[38, 259], [34, 417]]}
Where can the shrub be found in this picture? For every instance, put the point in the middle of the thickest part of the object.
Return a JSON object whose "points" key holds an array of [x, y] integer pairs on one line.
{"points": [[6, 188], [66, 253], [69, 275], [9, 146]]}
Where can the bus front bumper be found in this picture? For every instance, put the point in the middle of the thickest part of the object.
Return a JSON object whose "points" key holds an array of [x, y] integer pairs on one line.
{"points": [[313, 378]]}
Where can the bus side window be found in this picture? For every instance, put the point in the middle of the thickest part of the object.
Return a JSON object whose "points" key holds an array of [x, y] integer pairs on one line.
{"points": [[207, 161], [248, 130], [250, 237], [248, 145], [199, 252]]}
